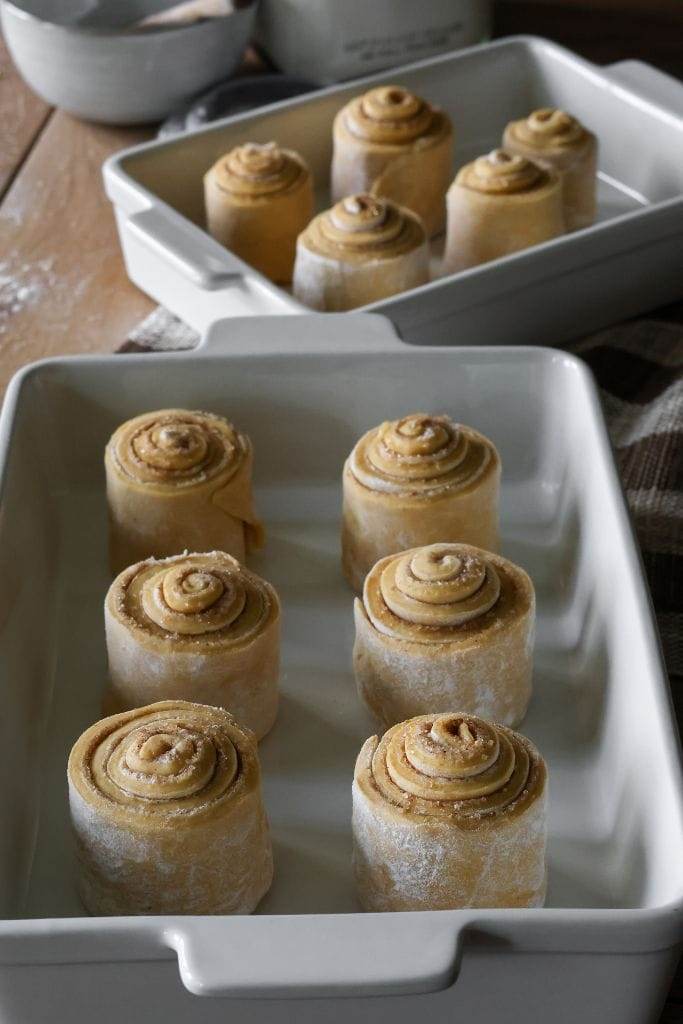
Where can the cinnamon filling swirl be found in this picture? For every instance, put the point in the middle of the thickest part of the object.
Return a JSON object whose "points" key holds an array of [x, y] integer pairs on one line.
{"points": [[453, 765], [419, 454]]}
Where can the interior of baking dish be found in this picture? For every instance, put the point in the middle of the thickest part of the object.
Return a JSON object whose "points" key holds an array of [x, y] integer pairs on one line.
{"points": [[599, 712], [641, 152]]}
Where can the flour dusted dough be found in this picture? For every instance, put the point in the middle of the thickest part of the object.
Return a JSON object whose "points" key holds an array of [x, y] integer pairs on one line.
{"points": [[558, 142], [419, 480], [449, 811], [393, 144], [179, 481], [362, 250], [167, 813], [497, 205], [258, 198], [197, 627], [445, 626]]}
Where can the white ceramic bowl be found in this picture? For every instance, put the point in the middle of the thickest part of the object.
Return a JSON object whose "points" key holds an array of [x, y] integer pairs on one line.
{"points": [[120, 77]]}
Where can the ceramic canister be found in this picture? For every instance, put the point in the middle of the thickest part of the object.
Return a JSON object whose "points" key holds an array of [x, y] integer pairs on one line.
{"points": [[336, 41]]}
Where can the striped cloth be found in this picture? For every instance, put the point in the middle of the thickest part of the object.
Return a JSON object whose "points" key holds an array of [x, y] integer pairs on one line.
{"points": [[638, 366], [639, 370]]}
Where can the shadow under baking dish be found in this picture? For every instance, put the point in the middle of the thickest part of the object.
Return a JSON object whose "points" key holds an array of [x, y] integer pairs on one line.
{"points": [[596, 712]]}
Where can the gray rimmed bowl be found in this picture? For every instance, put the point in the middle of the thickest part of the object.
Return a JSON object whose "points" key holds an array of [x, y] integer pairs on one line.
{"points": [[120, 77]]}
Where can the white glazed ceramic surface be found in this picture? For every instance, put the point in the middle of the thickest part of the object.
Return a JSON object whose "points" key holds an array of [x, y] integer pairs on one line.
{"points": [[629, 261], [120, 77], [304, 389], [335, 41]]}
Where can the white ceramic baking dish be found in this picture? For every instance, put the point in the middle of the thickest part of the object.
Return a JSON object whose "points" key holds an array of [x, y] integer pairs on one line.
{"points": [[304, 388], [629, 261]]}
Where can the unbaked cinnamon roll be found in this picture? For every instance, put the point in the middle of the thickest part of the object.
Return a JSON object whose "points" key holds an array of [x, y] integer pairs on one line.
{"points": [[445, 626], [194, 627], [392, 143], [167, 813], [176, 481], [449, 811], [362, 250], [418, 480], [258, 198], [497, 205], [558, 142]]}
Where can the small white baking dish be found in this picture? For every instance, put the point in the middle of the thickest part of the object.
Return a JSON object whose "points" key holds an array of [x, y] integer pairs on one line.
{"points": [[304, 388], [119, 75], [630, 260]]}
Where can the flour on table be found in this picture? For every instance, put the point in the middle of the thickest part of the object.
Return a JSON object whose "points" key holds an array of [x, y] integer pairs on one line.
{"points": [[22, 285]]}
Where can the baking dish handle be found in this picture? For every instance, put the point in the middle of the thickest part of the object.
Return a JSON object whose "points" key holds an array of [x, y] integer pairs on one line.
{"points": [[322, 956], [201, 264], [647, 83], [312, 332]]}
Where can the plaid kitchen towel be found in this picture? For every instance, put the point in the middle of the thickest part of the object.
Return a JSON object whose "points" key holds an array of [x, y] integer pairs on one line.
{"points": [[639, 370]]}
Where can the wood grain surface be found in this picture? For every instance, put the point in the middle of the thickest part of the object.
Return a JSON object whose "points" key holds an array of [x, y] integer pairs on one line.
{"points": [[63, 286], [22, 115]]}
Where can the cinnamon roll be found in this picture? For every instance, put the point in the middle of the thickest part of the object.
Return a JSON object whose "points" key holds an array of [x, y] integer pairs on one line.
{"points": [[497, 205], [558, 142], [449, 811], [194, 627], [445, 626], [176, 481], [360, 251], [167, 813], [258, 198], [394, 144], [418, 480]]}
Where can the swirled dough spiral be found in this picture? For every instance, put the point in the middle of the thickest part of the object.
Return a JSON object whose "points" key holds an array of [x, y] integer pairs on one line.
{"points": [[559, 142], [547, 128], [389, 114], [362, 250], [392, 143], [414, 481], [498, 204], [441, 586], [197, 627], [449, 811], [502, 173], [167, 813], [254, 170], [258, 198], [362, 228], [442, 626], [179, 480], [420, 454]]}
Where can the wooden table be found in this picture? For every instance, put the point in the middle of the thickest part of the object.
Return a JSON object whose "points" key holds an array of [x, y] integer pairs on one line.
{"points": [[63, 286]]}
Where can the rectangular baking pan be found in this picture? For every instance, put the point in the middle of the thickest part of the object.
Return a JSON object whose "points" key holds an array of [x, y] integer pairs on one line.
{"points": [[305, 388], [629, 261]]}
